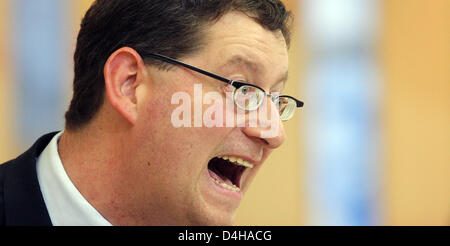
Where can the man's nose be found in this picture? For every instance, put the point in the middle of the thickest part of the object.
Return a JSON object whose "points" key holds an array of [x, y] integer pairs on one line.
{"points": [[269, 128]]}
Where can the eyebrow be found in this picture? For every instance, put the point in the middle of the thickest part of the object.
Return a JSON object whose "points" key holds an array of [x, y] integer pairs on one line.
{"points": [[254, 67], [240, 60]]}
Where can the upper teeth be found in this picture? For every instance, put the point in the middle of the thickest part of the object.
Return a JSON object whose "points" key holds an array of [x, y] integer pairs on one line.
{"points": [[237, 161]]}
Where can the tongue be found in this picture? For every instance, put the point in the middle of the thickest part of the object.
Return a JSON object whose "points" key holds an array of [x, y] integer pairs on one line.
{"points": [[220, 178]]}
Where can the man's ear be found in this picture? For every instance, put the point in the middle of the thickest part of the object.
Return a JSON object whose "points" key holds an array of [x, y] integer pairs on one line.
{"points": [[122, 74]]}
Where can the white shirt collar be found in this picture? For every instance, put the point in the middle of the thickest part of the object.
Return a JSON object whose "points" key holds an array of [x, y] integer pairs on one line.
{"points": [[65, 204]]}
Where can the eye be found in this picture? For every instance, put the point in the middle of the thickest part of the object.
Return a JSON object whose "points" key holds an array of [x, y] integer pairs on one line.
{"points": [[244, 90], [248, 97]]}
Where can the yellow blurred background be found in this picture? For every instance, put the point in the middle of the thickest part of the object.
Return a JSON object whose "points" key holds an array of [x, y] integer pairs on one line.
{"points": [[413, 52]]}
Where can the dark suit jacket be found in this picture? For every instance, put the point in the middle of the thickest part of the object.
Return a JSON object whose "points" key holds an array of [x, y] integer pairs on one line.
{"points": [[21, 201]]}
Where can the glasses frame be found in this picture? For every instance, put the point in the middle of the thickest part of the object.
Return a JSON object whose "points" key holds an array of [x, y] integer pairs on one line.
{"points": [[234, 83]]}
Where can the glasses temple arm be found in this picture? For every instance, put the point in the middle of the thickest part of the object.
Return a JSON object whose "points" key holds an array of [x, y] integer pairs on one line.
{"points": [[198, 70]]}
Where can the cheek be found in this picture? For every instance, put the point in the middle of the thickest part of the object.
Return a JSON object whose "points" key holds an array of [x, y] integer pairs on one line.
{"points": [[176, 144], [185, 143]]}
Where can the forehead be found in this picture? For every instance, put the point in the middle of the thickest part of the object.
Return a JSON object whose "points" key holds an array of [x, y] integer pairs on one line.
{"points": [[238, 40]]}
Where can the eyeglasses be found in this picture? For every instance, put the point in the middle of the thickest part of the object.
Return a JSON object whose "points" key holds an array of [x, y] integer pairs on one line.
{"points": [[246, 96]]}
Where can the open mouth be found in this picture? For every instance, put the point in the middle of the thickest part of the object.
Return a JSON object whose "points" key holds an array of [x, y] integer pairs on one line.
{"points": [[227, 171]]}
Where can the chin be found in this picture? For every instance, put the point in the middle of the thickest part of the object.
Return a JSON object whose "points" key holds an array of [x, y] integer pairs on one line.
{"points": [[212, 218]]}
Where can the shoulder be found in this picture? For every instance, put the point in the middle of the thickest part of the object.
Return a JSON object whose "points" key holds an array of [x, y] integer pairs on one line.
{"points": [[20, 194], [3, 173], [3, 170], [2, 219], [29, 156]]}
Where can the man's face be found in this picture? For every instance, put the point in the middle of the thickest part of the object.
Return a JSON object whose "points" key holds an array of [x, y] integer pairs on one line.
{"points": [[173, 179]]}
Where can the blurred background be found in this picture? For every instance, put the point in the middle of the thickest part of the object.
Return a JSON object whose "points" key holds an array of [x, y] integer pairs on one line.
{"points": [[370, 147]]}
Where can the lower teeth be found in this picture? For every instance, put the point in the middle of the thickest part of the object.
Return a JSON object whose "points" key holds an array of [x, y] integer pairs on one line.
{"points": [[227, 186]]}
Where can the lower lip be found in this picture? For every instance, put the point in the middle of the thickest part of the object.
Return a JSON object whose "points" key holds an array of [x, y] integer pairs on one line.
{"points": [[237, 195]]}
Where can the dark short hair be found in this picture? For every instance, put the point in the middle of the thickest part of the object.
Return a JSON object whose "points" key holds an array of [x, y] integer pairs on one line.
{"points": [[169, 27]]}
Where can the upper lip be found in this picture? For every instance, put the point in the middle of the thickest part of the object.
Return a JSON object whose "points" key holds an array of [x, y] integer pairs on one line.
{"points": [[254, 161]]}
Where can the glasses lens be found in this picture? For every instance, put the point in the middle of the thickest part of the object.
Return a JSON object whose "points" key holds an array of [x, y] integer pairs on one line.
{"points": [[248, 97], [287, 107]]}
